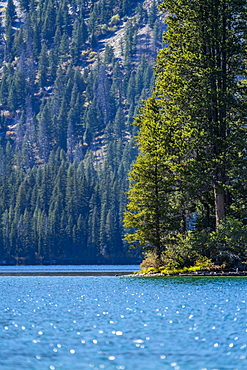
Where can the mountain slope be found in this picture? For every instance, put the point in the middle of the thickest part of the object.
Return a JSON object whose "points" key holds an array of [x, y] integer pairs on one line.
{"points": [[72, 77]]}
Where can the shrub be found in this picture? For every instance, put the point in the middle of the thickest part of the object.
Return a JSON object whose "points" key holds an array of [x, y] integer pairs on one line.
{"points": [[115, 19], [226, 246], [151, 261], [202, 264]]}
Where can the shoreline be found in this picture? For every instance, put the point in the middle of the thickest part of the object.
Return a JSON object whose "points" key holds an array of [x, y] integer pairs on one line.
{"points": [[122, 273], [190, 274]]}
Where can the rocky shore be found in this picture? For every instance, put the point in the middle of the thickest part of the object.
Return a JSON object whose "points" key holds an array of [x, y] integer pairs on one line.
{"points": [[198, 273]]}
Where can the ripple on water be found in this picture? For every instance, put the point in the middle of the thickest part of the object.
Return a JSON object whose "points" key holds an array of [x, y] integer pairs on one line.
{"points": [[123, 323]]}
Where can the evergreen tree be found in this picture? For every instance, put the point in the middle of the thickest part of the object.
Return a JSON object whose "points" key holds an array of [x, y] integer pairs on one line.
{"points": [[152, 207], [119, 123], [43, 134], [17, 93], [152, 14], [43, 67], [199, 98], [49, 21], [10, 13], [131, 89], [109, 54], [64, 48], [209, 97], [5, 85], [37, 39], [10, 17], [53, 64]]}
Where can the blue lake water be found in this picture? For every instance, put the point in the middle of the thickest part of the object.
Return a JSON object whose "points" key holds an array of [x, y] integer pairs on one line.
{"points": [[69, 268], [70, 323]]}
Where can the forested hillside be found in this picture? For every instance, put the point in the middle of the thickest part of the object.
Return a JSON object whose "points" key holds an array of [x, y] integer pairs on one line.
{"points": [[73, 73]]}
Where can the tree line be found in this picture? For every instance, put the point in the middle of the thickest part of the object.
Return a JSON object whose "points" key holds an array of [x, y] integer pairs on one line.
{"points": [[66, 135]]}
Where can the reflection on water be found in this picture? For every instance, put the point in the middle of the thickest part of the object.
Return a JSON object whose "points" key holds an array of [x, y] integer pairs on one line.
{"points": [[70, 268], [123, 323]]}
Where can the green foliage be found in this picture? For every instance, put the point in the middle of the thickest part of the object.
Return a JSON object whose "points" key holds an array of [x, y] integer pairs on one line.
{"points": [[43, 67], [226, 246], [201, 264], [192, 137], [10, 12], [115, 19], [152, 208]]}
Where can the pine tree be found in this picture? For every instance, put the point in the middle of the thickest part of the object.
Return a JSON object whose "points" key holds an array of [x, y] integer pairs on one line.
{"points": [[10, 13], [43, 134], [5, 85], [10, 18], [64, 48], [199, 98], [109, 54], [53, 64], [152, 15], [151, 209], [131, 89], [119, 123], [209, 96], [79, 37], [37, 39], [43, 67], [49, 21], [17, 93]]}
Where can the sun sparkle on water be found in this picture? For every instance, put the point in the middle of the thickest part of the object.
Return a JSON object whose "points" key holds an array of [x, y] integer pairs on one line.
{"points": [[100, 323]]}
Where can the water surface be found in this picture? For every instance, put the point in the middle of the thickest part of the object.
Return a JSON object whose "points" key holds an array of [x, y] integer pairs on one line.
{"points": [[68, 268], [72, 323]]}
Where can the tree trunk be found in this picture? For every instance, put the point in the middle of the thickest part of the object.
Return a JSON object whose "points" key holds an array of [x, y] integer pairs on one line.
{"points": [[157, 216], [219, 201]]}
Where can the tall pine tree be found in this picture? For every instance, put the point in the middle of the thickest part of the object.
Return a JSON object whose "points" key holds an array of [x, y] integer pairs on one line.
{"points": [[199, 94]]}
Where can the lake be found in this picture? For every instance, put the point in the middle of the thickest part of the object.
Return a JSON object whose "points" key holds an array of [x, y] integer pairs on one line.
{"points": [[75, 322], [69, 269]]}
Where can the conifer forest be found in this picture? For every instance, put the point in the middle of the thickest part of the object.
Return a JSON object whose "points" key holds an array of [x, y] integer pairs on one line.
{"points": [[72, 75], [123, 123], [187, 195]]}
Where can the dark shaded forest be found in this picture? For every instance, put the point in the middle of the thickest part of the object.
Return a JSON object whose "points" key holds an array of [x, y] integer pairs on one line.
{"points": [[73, 73]]}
